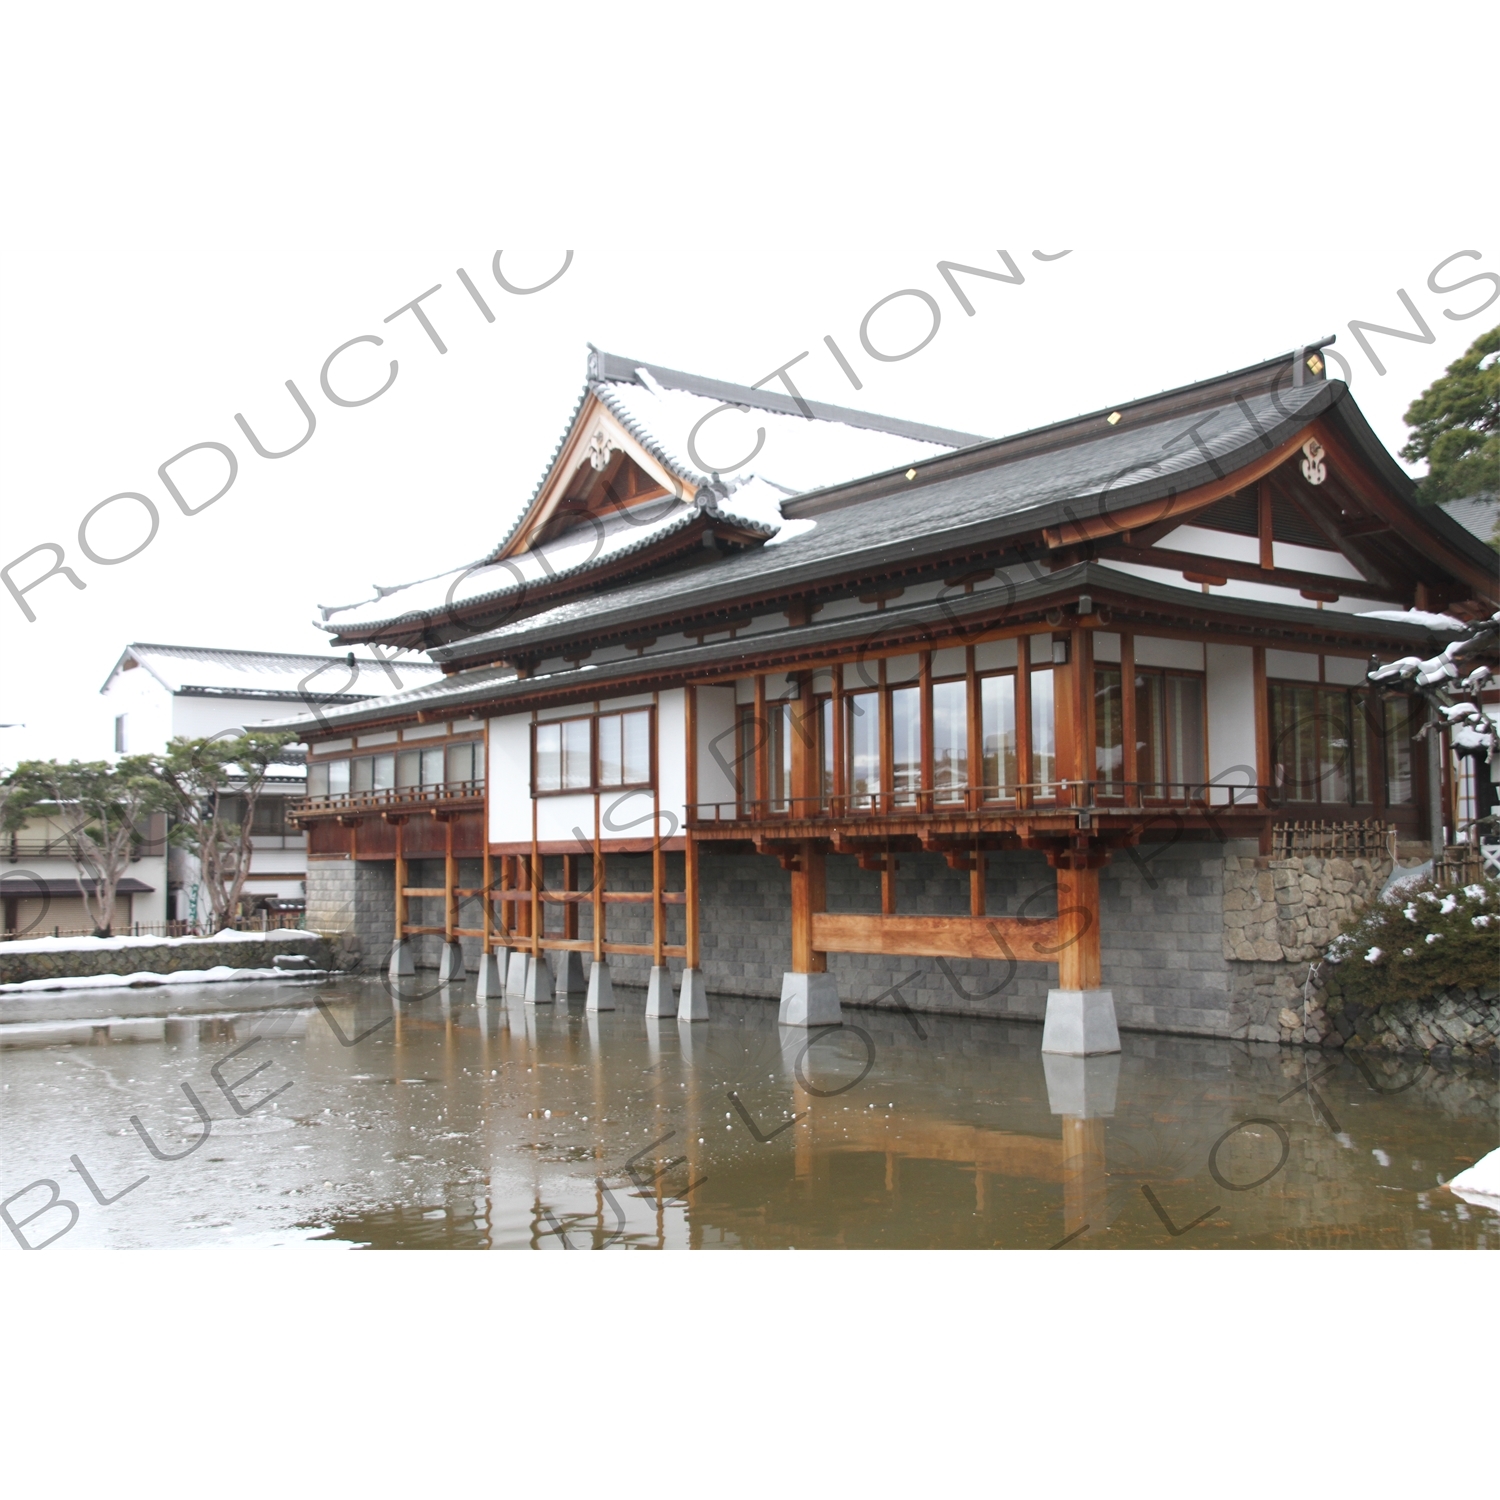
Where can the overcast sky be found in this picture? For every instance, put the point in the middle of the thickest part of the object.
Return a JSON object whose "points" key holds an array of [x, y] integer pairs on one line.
{"points": [[195, 219]]}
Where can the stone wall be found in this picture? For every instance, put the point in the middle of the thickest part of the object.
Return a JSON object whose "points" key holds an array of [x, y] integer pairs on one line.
{"points": [[355, 902], [1454, 1023], [164, 956]]}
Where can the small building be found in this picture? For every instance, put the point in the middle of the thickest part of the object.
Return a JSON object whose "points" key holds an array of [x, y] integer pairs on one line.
{"points": [[828, 706], [157, 693]]}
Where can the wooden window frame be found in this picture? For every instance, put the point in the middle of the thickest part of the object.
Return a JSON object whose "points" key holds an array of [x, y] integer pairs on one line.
{"points": [[594, 788], [1141, 783], [1379, 802], [1023, 734]]}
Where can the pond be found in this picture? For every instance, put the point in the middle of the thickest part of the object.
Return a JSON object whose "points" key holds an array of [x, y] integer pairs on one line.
{"points": [[327, 1116]]}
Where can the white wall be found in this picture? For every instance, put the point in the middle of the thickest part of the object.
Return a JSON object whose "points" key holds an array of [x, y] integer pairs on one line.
{"points": [[1231, 715], [509, 779], [717, 746]]}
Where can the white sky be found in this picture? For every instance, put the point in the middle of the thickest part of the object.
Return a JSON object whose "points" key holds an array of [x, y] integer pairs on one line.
{"points": [[197, 214]]}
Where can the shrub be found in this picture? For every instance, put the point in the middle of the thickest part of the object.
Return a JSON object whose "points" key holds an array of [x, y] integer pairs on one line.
{"points": [[1416, 943]]}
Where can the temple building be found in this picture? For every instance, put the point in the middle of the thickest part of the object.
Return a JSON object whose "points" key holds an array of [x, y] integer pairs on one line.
{"points": [[764, 697]]}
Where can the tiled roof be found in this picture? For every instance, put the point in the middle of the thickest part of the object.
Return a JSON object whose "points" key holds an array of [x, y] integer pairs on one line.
{"points": [[222, 672]]}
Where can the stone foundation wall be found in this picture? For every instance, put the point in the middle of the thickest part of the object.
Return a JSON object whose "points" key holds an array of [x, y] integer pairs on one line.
{"points": [[1454, 1023]]}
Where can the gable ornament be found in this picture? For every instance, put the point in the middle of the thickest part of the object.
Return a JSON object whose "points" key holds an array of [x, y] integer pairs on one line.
{"points": [[600, 448], [1314, 470]]}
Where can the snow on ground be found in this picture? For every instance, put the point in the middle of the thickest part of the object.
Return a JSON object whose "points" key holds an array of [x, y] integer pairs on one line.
{"points": [[98, 945], [1480, 1183], [216, 975]]}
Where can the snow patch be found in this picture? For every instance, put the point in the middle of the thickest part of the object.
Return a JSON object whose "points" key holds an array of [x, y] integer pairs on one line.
{"points": [[1480, 1183], [219, 974]]}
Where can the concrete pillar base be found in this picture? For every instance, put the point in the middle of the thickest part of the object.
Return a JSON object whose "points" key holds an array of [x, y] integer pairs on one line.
{"points": [[809, 1000], [540, 986], [402, 966], [692, 996], [515, 976], [451, 964], [601, 989], [660, 1001], [1080, 1023], [569, 969], [488, 984]]}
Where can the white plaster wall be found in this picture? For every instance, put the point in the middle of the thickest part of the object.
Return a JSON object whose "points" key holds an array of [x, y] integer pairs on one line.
{"points": [[1160, 651], [716, 744], [1299, 666], [147, 706], [565, 819], [671, 759], [510, 780], [1231, 715]]}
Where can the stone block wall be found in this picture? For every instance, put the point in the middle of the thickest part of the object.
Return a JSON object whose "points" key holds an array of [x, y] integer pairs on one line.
{"points": [[1279, 917], [354, 901], [163, 956]]}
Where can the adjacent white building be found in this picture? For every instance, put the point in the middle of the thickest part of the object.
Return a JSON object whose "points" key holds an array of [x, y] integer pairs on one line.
{"points": [[157, 693]]}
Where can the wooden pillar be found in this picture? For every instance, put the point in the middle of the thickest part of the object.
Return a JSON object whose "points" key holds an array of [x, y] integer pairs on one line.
{"points": [[888, 883], [924, 694], [1263, 525], [976, 884], [570, 884], [488, 921], [840, 765], [808, 897], [974, 797], [658, 860], [1085, 1183], [1078, 963], [690, 842], [598, 887], [534, 880], [1127, 720], [401, 879], [760, 743], [1263, 768], [1023, 718], [450, 884], [1081, 660]]}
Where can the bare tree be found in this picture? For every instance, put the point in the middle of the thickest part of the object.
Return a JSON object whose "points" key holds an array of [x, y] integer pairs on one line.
{"points": [[207, 781], [103, 812]]}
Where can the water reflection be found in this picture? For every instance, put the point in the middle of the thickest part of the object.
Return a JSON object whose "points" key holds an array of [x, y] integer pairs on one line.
{"points": [[446, 1123]]}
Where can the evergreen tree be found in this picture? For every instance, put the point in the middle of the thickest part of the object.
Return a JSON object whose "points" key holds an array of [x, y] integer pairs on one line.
{"points": [[1455, 425]]}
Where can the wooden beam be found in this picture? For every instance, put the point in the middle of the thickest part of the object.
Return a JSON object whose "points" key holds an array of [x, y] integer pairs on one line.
{"points": [[690, 847], [1152, 512], [599, 868], [1127, 718], [401, 909], [1264, 525], [1024, 939], [658, 859], [1199, 565]]}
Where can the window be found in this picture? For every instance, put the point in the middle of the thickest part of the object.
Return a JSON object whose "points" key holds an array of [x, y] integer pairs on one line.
{"points": [[862, 736], [825, 751], [338, 778], [1169, 737], [1397, 725], [950, 741], [361, 777], [466, 761], [589, 754], [779, 729], [625, 749], [997, 718], [1109, 731], [906, 744], [269, 818], [383, 776], [317, 779], [1322, 750], [120, 734], [1043, 732]]}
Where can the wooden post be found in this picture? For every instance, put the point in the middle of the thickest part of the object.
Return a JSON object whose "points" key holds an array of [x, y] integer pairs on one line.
{"points": [[658, 862], [690, 842], [1263, 768], [976, 883], [488, 923], [760, 744], [1078, 962], [535, 878], [1081, 654], [400, 879], [888, 883], [570, 884], [1264, 525], [1127, 720], [1023, 719], [598, 887], [974, 800], [925, 777], [450, 884], [808, 897], [840, 767]]}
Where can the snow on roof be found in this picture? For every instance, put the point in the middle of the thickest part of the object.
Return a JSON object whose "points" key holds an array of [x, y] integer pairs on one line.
{"points": [[1414, 617], [793, 454], [270, 674]]}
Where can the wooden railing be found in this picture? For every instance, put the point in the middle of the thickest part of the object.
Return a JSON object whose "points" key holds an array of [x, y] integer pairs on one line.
{"points": [[1032, 798], [1365, 839], [379, 799]]}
